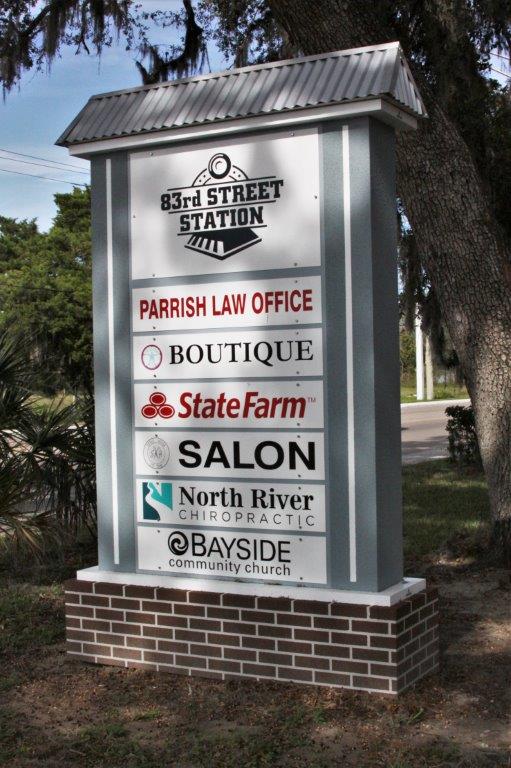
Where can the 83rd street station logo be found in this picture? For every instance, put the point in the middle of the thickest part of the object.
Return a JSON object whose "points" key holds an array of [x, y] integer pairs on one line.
{"points": [[223, 211]]}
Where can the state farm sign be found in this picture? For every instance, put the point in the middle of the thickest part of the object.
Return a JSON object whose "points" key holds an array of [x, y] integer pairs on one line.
{"points": [[228, 400]]}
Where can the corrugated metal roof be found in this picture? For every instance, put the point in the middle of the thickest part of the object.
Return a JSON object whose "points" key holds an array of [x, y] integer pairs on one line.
{"points": [[378, 71]]}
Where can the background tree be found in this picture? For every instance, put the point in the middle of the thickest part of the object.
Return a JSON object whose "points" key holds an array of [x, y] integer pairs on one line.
{"points": [[46, 293], [453, 174]]}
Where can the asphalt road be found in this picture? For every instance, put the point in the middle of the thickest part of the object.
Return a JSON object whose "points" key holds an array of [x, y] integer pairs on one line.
{"points": [[423, 434]]}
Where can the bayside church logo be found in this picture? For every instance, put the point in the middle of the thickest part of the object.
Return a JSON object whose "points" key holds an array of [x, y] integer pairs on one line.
{"points": [[222, 212]]}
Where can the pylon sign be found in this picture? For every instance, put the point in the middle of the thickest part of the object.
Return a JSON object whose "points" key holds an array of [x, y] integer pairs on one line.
{"points": [[228, 400]]}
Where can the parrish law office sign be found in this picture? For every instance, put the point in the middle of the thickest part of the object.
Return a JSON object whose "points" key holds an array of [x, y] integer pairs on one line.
{"points": [[247, 369]]}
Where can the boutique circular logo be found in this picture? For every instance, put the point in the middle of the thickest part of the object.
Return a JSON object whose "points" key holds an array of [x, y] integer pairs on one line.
{"points": [[151, 357], [178, 543], [156, 453]]}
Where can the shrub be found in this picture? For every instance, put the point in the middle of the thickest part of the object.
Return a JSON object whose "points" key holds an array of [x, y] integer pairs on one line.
{"points": [[463, 443]]}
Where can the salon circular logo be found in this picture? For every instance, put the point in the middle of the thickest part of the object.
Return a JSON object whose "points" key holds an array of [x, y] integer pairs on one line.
{"points": [[151, 357], [156, 453], [178, 543]]}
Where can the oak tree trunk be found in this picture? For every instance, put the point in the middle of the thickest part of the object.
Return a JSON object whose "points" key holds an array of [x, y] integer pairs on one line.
{"points": [[465, 255]]}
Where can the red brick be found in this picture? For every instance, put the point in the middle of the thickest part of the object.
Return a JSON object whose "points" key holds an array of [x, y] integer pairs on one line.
{"points": [[294, 620], [222, 639], [75, 585], [79, 610], [311, 662], [157, 632], [72, 623], [313, 635], [170, 646], [259, 617], [381, 641], [370, 654], [418, 600], [335, 651], [172, 621], [141, 642], [266, 657], [72, 599], [106, 588], [289, 646], [327, 623], [78, 634], [291, 673], [141, 665], [191, 661], [374, 627], [379, 683], [96, 650], [268, 630], [310, 606], [388, 613], [223, 665], [258, 642], [204, 598], [136, 591], [189, 610], [125, 603], [174, 595], [95, 600], [108, 637], [157, 606], [259, 670], [240, 654], [143, 618], [73, 647], [108, 615], [331, 678], [128, 629], [274, 603], [208, 624], [127, 653], [238, 601], [101, 626], [383, 670], [207, 650], [190, 636], [360, 667], [349, 638], [349, 609], [159, 658], [111, 661], [223, 613], [238, 628]]}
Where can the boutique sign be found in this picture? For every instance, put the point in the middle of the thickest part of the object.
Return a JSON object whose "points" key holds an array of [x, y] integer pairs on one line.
{"points": [[228, 393]]}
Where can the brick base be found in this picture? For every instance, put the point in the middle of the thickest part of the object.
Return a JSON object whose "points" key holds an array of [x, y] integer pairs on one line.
{"points": [[226, 636]]}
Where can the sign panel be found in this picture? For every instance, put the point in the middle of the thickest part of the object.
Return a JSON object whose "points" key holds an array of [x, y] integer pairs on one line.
{"points": [[258, 557], [252, 506], [284, 301], [281, 404], [247, 205], [269, 455]]}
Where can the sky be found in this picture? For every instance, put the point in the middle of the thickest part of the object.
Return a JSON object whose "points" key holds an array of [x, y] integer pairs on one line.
{"points": [[33, 116]]}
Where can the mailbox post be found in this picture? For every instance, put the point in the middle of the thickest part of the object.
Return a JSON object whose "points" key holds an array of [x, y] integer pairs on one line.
{"points": [[247, 377]]}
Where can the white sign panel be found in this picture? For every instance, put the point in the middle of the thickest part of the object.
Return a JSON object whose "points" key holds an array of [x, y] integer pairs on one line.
{"points": [[279, 455], [240, 206], [280, 404], [229, 354], [288, 301], [263, 506], [266, 557]]}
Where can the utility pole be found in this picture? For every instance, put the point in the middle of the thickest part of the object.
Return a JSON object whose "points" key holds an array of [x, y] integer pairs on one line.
{"points": [[430, 389], [419, 358]]}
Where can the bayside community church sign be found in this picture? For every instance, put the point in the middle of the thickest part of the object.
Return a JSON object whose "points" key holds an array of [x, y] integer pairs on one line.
{"points": [[247, 376]]}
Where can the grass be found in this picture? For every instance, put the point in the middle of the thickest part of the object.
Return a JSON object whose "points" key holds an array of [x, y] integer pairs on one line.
{"points": [[441, 391], [443, 506]]}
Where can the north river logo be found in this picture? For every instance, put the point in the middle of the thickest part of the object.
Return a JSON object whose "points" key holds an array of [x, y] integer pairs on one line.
{"points": [[223, 211], [156, 500]]}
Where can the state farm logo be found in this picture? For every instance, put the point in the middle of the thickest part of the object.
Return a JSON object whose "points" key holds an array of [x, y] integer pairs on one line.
{"points": [[250, 406], [157, 406], [223, 210]]}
